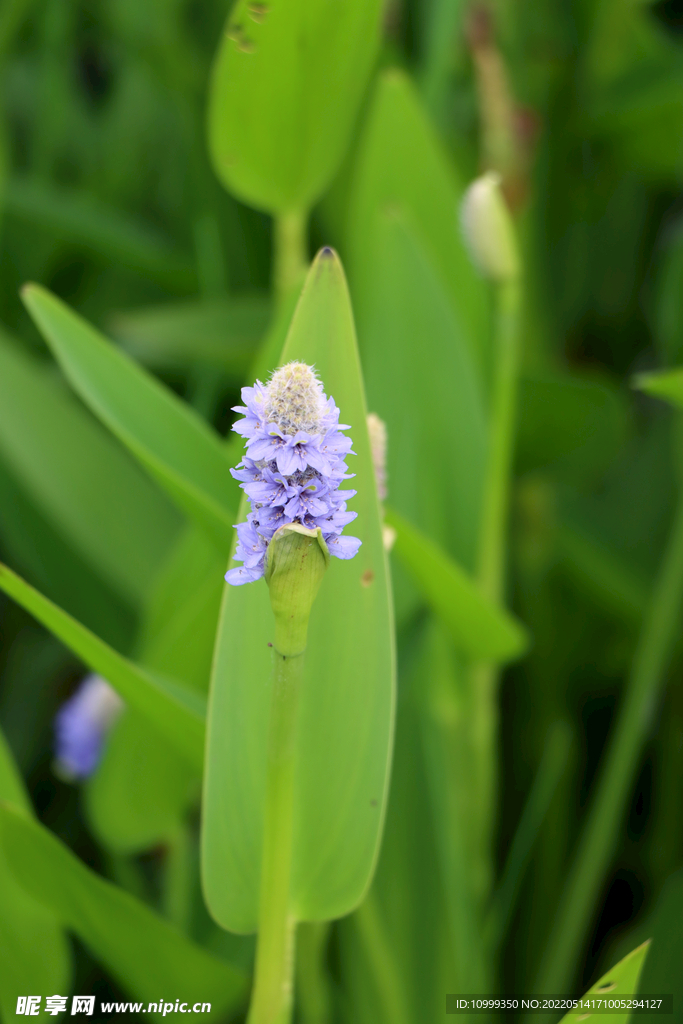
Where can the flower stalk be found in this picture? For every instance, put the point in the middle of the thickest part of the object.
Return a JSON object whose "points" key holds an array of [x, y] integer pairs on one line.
{"points": [[297, 560], [489, 233]]}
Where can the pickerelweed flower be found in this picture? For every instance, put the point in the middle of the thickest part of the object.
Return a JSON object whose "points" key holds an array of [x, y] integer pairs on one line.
{"points": [[81, 726], [293, 468]]}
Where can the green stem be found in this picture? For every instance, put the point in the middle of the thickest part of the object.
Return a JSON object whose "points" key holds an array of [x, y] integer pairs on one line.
{"points": [[291, 252], [491, 560], [178, 878], [314, 1001], [601, 833], [272, 995], [553, 762]]}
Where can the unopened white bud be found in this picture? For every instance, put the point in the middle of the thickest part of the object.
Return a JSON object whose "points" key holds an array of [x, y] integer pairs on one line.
{"points": [[487, 227]]}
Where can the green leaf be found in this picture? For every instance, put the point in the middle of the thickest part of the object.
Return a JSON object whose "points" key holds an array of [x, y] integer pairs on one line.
{"points": [[34, 952], [667, 384], [79, 477], [621, 980], [287, 82], [477, 627], [347, 698], [173, 443], [663, 970], [220, 332], [402, 168], [423, 382], [106, 232], [146, 955], [142, 787], [40, 553], [570, 425], [170, 706]]}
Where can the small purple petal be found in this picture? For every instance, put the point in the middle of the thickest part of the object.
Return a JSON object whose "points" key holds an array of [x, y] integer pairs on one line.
{"points": [[343, 547]]}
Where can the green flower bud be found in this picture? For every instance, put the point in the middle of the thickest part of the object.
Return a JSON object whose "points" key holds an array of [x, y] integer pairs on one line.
{"points": [[295, 565]]}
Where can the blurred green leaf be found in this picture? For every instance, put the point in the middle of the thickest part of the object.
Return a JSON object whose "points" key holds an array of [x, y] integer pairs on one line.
{"points": [[663, 970], [220, 332], [174, 444], [76, 218], [478, 628], [667, 384], [287, 82], [143, 787], [667, 312], [621, 980], [171, 707], [34, 952], [402, 170], [146, 955], [42, 555], [570, 425], [422, 381], [347, 699], [81, 480]]}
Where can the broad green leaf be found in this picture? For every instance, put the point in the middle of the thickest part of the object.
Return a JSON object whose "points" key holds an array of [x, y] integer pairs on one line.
{"points": [[667, 384], [423, 382], [79, 477], [75, 218], [287, 82], [347, 700], [663, 970], [172, 708], [402, 168], [221, 332], [477, 627], [34, 952], [621, 980], [147, 956], [173, 443]]}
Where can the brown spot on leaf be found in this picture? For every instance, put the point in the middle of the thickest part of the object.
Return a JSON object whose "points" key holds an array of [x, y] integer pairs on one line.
{"points": [[367, 578]]}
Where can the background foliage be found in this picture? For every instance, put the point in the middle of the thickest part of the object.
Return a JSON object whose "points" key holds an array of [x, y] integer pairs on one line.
{"points": [[110, 201]]}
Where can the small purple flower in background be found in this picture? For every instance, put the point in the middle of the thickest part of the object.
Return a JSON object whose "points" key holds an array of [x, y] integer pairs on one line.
{"points": [[293, 467], [81, 725]]}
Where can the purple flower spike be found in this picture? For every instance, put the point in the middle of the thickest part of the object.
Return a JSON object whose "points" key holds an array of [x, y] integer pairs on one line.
{"points": [[293, 467], [81, 725]]}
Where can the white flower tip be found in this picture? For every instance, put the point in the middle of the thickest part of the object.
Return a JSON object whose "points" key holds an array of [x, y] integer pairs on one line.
{"points": [[388, 536], [295, 399], [487, 228], [377, 429]]}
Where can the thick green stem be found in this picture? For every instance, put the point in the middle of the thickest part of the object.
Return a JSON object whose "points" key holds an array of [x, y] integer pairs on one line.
{"points": [[491, 562], [272, 994], [296, 563], [597, 844], [291, 252]]}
